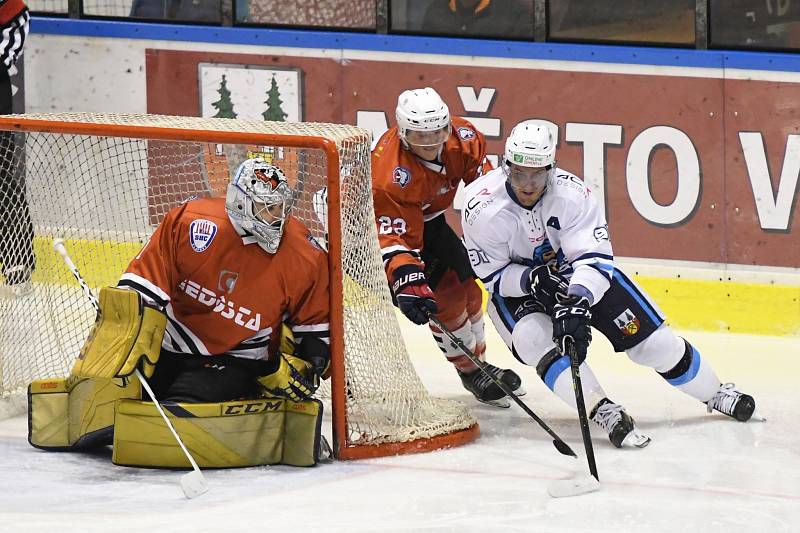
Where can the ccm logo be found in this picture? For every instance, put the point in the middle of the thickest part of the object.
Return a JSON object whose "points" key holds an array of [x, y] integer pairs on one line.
{"points": [[249, 408]]}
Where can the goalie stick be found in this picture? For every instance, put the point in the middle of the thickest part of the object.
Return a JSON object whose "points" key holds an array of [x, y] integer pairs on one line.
{"points": [[193, 483], [559, 444]]}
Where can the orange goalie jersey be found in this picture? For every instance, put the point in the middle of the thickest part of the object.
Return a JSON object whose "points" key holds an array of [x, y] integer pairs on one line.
{"points": [[222, 293], [409, 191]]}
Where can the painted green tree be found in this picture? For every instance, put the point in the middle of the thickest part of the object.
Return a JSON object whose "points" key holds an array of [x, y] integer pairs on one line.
{"points": [[224, 105], [274, 110]]}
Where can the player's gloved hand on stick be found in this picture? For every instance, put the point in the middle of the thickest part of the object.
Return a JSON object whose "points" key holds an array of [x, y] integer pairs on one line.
{"points": [[572, 319], [414, 297], [547, 287]]}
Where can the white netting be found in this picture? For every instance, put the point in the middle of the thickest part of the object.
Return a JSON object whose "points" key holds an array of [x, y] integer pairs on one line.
{"points": [[104, 196]]}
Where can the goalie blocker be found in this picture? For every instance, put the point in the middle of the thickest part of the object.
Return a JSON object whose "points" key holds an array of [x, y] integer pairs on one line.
{"points": [[100, 404]]}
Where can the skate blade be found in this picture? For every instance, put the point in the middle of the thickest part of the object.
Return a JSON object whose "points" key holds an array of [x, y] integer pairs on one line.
{"points": [[502, 403], [636, 439], [565, 488], [520, 391], [757, 416]]}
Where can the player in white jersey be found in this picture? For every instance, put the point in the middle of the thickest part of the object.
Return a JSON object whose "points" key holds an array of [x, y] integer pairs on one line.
{"points": [[541, 247]]}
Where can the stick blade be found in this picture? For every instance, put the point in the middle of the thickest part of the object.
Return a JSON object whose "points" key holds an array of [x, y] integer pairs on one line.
{"points": [[566, 488], [563, 448], [194, 484]]}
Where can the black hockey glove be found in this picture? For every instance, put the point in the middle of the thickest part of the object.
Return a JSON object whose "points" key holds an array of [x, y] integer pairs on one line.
{"points": [[414, 297], [547, 287], [572, 320], [315, 352]]}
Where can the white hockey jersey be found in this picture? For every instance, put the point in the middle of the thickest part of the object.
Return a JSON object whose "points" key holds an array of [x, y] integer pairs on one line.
{"points": [[565, 227]]}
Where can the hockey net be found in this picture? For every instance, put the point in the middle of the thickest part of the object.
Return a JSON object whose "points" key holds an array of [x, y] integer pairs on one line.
{"points": [[104, 182]]}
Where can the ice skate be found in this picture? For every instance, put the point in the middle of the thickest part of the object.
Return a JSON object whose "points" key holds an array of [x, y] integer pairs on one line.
{"points": [[733, 403], [483, 388], [509, 378], [619, 425]]}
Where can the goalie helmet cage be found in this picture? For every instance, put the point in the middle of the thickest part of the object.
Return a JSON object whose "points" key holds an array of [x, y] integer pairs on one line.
{"points": [[103, 182]]}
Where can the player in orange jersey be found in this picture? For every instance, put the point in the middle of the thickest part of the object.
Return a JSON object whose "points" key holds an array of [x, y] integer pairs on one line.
{"points": [[416, 168], [227, 273]]}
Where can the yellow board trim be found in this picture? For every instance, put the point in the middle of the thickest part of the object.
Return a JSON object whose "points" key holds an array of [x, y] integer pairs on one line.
{"points": [[101, 263], [724, 306]]}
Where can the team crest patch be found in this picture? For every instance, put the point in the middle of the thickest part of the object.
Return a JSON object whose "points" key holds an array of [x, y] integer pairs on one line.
{"points": [[466, 133], [601, 233], [227, 280], [201, 233], [627, 323], [401, 176]]}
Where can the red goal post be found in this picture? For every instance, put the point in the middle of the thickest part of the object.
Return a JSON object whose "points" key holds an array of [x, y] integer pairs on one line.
{"points": [[103, 182]]}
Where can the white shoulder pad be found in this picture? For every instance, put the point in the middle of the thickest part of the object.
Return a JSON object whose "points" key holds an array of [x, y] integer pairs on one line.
{"points": [[567, 185], [483, 197]]}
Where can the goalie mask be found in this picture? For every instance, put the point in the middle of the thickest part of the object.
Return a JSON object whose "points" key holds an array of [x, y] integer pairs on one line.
{"points": [[423, 119], [259, 199], [530, 160]]}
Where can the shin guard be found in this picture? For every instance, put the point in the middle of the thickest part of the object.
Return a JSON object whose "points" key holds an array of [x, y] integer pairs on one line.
{"points": [[219, 435]]}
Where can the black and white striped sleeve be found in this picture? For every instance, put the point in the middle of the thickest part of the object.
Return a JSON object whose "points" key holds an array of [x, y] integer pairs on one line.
{"points": [[14, 25]]}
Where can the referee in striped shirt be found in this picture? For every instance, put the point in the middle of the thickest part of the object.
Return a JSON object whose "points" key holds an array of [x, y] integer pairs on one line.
{"points": [[16, 230]]}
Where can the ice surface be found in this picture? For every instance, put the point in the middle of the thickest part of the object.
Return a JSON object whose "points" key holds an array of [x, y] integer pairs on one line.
{"points": [[702, 472]]}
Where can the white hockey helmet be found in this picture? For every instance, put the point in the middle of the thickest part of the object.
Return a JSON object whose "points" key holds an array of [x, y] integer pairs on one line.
{"points": [[423, 110], [530, 159], [259, 200], [531, 144]]}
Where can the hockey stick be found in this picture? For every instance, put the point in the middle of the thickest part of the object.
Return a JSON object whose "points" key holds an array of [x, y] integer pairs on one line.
{"points": [[560, 445], [193, 483], [582, 484], [584, 419]]}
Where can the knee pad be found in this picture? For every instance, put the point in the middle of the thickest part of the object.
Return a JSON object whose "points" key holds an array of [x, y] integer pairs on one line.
{"points": [[72, 413], [532, 338], [662, 350]]}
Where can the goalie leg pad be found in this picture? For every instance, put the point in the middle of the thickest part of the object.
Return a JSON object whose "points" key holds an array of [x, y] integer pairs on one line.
{"points": [[219, 435], [126, 332], [72, 414]]}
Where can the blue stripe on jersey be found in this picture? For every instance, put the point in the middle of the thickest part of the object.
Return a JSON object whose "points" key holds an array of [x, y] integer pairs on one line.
{"points": [[689, 375], [599, 267], [593, 254], [488, 278], [643, 303], [555, 370]]}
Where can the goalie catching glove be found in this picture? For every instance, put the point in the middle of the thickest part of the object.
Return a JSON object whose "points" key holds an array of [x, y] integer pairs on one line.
{"points": [[297, 377], [127, 334]]}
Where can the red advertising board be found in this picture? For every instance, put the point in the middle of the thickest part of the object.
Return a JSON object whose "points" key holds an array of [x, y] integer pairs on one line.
{"points": [[687, 167]]}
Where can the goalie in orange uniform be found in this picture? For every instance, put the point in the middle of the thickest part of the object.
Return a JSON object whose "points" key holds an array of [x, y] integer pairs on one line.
{"points": [[201, 310], [228, 273], [416, 169]]}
